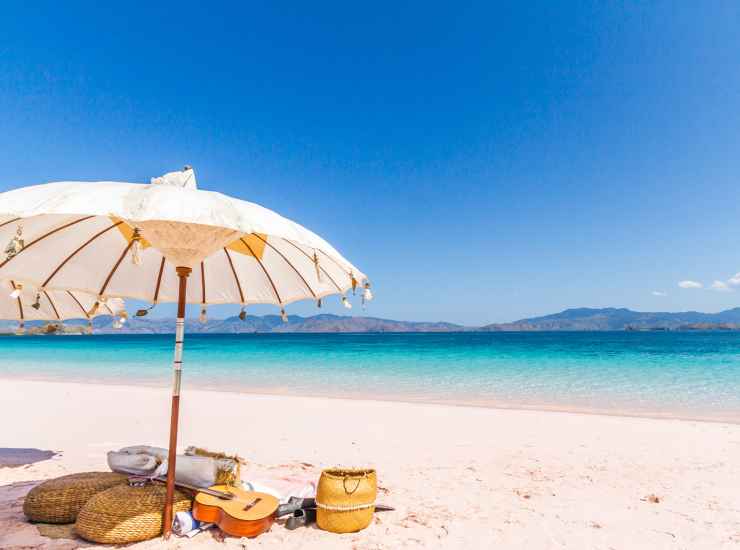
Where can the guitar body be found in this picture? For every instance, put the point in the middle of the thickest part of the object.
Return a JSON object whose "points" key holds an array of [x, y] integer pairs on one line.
{"points": [[247, 514]]}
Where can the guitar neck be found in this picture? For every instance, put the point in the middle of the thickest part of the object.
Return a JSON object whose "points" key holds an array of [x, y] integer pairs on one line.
{"points": [[218, 494]]}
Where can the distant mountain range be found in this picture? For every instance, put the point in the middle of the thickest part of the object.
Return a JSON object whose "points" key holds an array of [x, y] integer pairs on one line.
{"points": [[623, 319], [253, 324], [578, 319]]}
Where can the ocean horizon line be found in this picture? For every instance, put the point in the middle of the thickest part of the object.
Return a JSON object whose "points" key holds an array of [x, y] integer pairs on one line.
{"points": [[573, 319]]}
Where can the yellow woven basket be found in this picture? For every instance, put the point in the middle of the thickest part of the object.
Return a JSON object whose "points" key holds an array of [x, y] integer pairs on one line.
{"points": [[126, 514], [345, 499], [60, 500]]}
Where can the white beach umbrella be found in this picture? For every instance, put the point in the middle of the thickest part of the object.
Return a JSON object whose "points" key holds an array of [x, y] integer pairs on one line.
{"points": [[166, 241], [26, 303]]}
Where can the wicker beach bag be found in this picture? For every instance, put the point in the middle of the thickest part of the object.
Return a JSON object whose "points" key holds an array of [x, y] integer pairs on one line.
{"points": [[126, 514], [345, 499], [60, 500]]}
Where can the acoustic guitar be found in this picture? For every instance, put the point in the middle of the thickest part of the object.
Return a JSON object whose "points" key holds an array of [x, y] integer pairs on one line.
{"points": [[246, 514]]}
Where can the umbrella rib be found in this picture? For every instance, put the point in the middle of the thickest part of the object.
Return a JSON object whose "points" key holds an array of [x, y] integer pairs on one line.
{"points": [[20, 303], [115, 267], [290, 264], [84, 311], [274, 288], [91, 239], [56, 312], [159, 281], [42, 237], [8, 222], [321, 268], [233, 270], [336, 263]]}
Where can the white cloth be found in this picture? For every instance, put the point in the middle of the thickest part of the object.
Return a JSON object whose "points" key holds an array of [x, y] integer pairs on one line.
{"points": [[143, 460], [157, 452], [283, 489], [133, 464]]}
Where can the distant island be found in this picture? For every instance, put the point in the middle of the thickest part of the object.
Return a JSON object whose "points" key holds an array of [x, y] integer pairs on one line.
{"points": [[624, 319], [578, 319]]}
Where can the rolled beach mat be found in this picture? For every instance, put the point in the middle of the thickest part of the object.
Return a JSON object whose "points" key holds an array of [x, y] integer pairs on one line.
{"points": [[185, 525], [345, 499]]}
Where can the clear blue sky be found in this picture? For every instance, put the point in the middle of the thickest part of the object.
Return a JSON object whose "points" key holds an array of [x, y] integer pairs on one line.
{"points": [[480, 161]]}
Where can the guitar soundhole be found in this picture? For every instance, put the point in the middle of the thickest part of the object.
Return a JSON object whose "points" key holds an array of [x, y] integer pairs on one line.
{"points": [[252, 504]]}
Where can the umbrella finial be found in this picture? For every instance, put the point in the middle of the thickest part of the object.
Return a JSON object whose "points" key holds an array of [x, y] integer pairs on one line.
{"points": [[184, 178]]}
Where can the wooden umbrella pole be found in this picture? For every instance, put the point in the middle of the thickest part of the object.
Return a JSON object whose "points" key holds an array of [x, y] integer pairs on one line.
{"points": [[182, 274]]}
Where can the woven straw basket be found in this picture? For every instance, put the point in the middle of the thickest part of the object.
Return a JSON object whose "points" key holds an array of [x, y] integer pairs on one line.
{"points": [[345, 499], [60, 500], [126, 514]]}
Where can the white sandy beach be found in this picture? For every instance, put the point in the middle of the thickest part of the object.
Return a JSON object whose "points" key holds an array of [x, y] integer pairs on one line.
{"points": [[460, 477]]}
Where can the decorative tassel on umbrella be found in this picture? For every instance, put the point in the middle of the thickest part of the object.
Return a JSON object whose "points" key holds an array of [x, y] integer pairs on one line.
{"points": [[243, 313], [318, 267], [203, 317], [17, 289], [283, 315], [16, 244], [144, 311], [37, 303], [136, 247], [346, 303], [367, 294], [120, 319]]}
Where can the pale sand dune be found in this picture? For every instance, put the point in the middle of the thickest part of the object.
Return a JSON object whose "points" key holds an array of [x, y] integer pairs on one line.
{"points": [[459, 477]]}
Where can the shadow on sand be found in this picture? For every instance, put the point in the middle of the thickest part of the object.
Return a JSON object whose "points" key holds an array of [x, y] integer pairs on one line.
{"points": [[13, 458]]}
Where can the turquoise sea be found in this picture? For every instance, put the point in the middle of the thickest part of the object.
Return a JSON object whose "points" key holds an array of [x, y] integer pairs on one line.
{"points": [[684, 374]]}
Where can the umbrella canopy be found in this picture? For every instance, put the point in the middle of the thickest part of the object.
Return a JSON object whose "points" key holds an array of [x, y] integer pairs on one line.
{"points": [[124, 239], [23, 303], [166, 241]]}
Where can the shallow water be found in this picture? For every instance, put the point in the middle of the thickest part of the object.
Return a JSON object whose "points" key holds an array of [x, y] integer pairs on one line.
{"points": [[652, 373]]}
